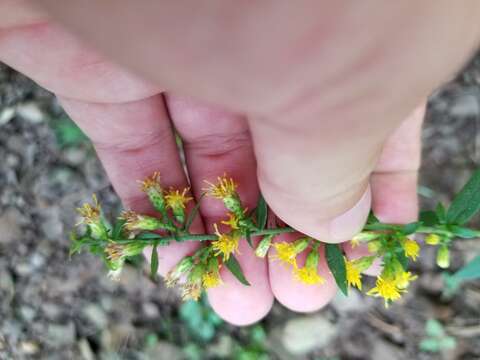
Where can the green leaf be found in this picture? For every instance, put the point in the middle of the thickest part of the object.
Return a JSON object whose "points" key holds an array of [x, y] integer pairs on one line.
{"points": [[470, 271], [402, 259], [429, 218], [234, 267], [117, 229], [430, 345], [336, 264], [434, 328], [463, 232], [372, 219], [148, 236], [262, 212], [193, 213], [467, 202], [441, 213], [248, 236], [411, 228], [154, 263]]}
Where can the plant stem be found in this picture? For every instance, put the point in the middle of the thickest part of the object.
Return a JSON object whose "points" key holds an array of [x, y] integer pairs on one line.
{"points": [[202, 237]]}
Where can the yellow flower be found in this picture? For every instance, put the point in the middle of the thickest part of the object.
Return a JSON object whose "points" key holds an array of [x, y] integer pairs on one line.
{"points": [[226, 244], [225, 187], [308, 276], [354, 243], [387, 289], [411, 248], [354, 277], [233, 221], [192, 291], [403, 279], [287, 252], [151, 182], [176, 200], [211, 277], [90, 213], [433, 239]]}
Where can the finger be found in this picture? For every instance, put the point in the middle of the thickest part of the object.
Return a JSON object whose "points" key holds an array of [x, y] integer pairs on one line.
{"points": [[62, 64], [292, 293], [218, 142], [133, 140], [394, 181]]}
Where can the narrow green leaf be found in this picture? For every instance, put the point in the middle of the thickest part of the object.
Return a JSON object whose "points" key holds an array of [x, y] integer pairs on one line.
{"points": [[429, 218], [154, 263], [234, 267], [467, 202], [193, 213], [441, 213], [336, 264], [248, 236], [148, 236], [262, 212], [402, 259], [411, 228], [463, 232], [117, 229]]}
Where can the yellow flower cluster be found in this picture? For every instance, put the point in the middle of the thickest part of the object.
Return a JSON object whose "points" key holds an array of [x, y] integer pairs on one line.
{"points": [[287, 253]]}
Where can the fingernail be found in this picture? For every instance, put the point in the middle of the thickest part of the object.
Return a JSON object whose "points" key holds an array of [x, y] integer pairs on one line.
{"points": [[344, 226]]}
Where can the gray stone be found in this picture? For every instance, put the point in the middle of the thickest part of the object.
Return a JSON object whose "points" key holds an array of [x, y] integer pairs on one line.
{"points": [[30, 112], [6, 115], [303, 334], [60, 335], [27, 313], [165, 350], [95, 315], [10, 229]]}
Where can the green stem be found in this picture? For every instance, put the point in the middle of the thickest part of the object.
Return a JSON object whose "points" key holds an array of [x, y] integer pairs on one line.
{"points": [[202, 237]]}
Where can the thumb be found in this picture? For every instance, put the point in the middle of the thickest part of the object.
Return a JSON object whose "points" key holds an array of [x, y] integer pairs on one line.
{"points": [[315, 174]]}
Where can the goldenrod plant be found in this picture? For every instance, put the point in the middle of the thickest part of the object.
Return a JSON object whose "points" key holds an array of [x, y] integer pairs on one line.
{"points": [[394, 245]]}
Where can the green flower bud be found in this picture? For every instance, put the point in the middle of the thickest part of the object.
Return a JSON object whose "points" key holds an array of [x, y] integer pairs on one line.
{"points": [[363, 263], [301, 244], [443, 257], [312, 259], [263, 246], [365, 236], [433, 239], [233, 203], [374, 246]]}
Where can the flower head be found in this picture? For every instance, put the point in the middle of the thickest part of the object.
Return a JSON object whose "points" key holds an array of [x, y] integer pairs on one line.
{"points": [[90, 213], [308, 276], [193, 288], [443, 257], [287, 251], [225, 187], [233, 221], [403, 279], [387, 289], [176, 200], [226, 244], [151, 183], [411, 248], [183, 267], [354, 277], [152, 187], [433, 239], [263, 246], [211, 277]]}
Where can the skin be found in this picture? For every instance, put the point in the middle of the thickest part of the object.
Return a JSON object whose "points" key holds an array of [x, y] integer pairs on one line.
{"points": [[318, 104]]}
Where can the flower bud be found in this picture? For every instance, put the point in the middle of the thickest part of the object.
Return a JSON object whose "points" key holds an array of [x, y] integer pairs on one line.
{"points": [[136, 221], [233, 203], [374, 246], [263, 246], [301, 244], [432, 239], [183, 267], [363, 263], [443, 257], [365, 236], [312, 259], [152, 187]]}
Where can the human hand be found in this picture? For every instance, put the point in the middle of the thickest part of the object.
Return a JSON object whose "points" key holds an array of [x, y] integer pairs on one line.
{"points": [[318, 135]]}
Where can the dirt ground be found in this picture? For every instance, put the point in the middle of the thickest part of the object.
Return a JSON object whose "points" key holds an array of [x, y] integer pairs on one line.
{"points": [[53, 307]]}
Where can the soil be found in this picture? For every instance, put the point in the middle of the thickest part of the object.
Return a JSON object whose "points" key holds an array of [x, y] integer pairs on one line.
{"points": [[54, 307]]}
